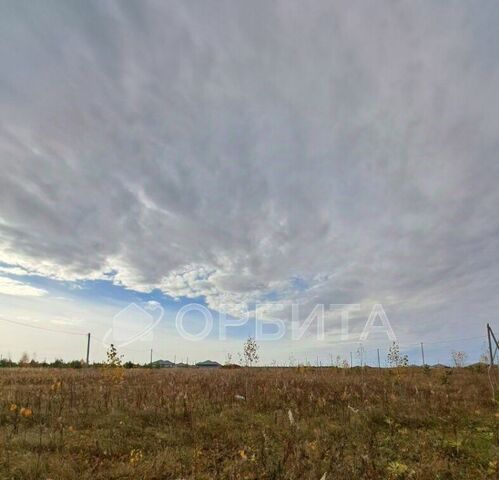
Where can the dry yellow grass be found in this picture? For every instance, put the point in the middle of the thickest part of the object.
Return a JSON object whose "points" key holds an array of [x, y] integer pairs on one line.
{"points": [[247, 424]]}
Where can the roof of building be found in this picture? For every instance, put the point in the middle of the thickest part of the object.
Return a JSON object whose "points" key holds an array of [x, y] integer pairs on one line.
{"points": [[208, 363], [163, 362]]}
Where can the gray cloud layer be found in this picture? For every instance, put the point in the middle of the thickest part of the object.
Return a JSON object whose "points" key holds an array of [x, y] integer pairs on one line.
{"points": [[227, 148]]}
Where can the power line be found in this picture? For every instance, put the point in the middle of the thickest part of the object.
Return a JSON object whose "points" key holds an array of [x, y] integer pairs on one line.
{"points": [[450, 341], [67, 332], [39, 327]]}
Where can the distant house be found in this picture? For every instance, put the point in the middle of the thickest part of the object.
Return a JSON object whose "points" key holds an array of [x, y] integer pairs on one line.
{"points": [[163, 364], [181, 365], [208, 364]]}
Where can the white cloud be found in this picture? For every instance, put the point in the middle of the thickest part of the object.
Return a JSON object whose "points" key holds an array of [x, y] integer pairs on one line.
{"points": [[13, 270], [8, 286]]}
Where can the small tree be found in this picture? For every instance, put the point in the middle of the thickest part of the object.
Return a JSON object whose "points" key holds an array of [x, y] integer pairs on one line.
{"points": [[485, 355], [485, 358], [250, 352], [360, 354], [113, 372], [459, 358], [57, 363], [76, 363], [24, 360], [341, 362], [113, 358], [395, 358]]}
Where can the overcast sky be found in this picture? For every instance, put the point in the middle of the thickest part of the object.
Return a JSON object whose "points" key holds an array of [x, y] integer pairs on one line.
{"points": [[234, 152]]}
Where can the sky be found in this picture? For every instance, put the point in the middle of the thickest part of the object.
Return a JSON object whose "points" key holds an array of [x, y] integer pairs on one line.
{"points": [[246, 156]]}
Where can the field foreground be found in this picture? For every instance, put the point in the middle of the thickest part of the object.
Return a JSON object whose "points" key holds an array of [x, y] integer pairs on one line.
{"points": [[294, 423]]}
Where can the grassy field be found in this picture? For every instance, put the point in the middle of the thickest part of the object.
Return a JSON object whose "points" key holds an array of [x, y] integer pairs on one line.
{"points": [[295, 423]]}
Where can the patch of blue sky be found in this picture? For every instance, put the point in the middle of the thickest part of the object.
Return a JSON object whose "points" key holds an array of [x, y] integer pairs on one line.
{"points": [[299, 283], [98, 291]]}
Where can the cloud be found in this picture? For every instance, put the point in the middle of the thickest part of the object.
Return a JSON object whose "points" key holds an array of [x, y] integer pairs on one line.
{"points": [[222, 150], [8, 286], [13, 270]]}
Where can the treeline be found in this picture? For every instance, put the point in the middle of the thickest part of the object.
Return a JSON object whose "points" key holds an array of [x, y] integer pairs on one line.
{"points": [[59, 363]]}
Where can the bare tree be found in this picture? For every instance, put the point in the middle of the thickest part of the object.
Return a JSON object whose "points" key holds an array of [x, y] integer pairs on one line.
{"points": [[485, 355], [459, 358], [24, 360], [395, 358]]}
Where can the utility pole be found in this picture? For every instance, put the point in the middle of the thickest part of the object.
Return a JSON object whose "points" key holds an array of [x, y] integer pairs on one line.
{"points": [[492, 337], [351, 359], [151, 358], [422, 353], [88, 349], [379, 363]]}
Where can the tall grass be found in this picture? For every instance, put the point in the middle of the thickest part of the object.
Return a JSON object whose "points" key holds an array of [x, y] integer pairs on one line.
{"points": [[293, 423]]}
